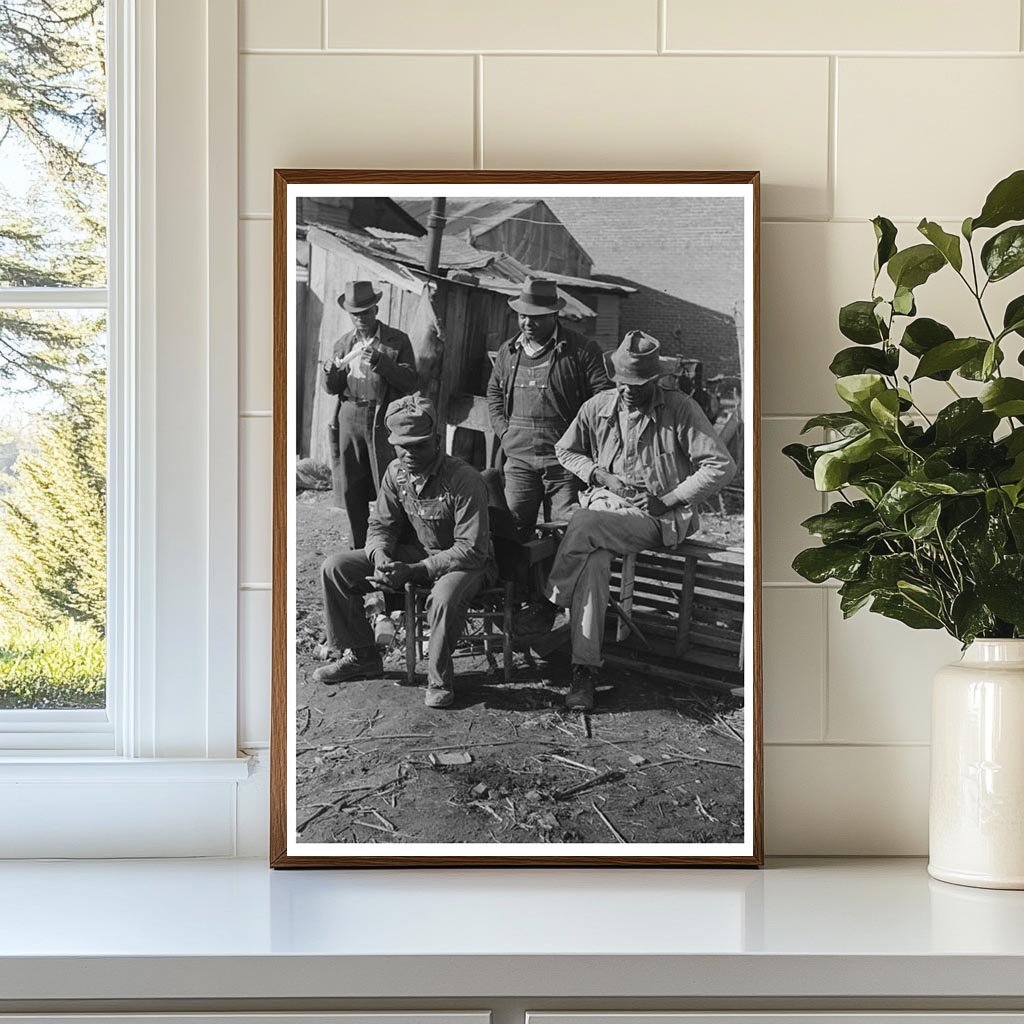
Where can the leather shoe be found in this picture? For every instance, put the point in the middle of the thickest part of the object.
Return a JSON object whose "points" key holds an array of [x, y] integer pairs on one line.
{"points": [[349, 667], [581, 692], [439, 697]]}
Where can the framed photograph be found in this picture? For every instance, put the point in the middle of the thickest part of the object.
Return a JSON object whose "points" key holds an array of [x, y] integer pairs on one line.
{"points": [[516, 552]]}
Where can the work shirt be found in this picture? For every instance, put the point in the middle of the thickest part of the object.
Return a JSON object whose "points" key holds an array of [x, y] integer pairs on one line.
{"points": [[445, 509], [364, 384], [673, 452]]}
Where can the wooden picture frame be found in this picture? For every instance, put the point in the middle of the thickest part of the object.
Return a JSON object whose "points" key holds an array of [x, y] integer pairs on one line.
{"points": [[704, 577]]}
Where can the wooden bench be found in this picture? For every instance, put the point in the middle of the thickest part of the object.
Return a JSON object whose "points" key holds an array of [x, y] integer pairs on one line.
{"points": [[687, 606]]}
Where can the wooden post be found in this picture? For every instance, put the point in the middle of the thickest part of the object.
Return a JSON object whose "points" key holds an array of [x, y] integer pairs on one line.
{"points": [[686, 604], [625, 595]]}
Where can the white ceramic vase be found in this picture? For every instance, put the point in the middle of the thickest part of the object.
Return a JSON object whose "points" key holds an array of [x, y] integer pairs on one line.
{"points": [[976, 816]]}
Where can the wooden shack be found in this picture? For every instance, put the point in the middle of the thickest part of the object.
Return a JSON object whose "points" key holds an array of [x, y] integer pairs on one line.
{"points": [[453, 318]]}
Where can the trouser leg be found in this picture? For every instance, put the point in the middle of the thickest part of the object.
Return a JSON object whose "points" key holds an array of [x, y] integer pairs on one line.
{"points": [[355, 469], [524, 491], [446, 613], [561, 493], [579, 580], [343, 584]]}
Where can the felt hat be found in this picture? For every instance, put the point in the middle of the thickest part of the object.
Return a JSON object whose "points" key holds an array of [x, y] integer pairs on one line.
{"points": [[637, 360], [411, 419], [358, 296], [537, 297]]}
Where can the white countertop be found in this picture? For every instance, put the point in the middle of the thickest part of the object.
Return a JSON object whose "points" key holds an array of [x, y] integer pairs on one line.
{"points": [[234, 929]]}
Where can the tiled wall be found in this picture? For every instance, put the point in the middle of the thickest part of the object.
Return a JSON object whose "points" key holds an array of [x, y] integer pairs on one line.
{"points": [[907, 109]]}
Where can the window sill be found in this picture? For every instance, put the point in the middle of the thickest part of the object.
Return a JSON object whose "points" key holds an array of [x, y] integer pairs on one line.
{"points": [[77, 766]]}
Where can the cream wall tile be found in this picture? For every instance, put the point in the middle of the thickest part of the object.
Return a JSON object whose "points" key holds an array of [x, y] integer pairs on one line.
{"points": [[268, 24], [869, 25], [255, 323], [693, 113], [254, 667], [472, 25], [963, 130], [880, 676], [848, 801], [787, 498], [793, 628], [808, 271], [351, 111], [255, 509]]}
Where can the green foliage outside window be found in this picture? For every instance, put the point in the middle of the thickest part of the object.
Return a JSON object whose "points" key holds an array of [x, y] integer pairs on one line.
{"points": [[52, 365]]}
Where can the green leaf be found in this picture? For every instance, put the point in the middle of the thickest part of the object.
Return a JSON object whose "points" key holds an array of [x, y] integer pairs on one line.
{"points": [[857, 321], [831, 471], [885, 409], [887, 570], [1004, 397], [858, 389], [912, 267], [965, 229], [947, 244], [1003, 254], [885, 237], [897, 607], [907, 494], [974, 368], [832, 421], [923, 335], [840, 561], [843, 521], [1005, 202], [903, 302], [1003, 595], [970, 617], [854, 594], [991, 360], [949, 355], [849, 361], [966, 417], [925, 518], [1013, 317], [800, 456]]}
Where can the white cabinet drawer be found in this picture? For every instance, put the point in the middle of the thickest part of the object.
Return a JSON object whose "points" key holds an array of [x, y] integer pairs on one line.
{"points": [[959, 1017]]}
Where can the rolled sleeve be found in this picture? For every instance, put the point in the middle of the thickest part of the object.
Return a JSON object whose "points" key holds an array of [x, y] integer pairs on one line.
{"points": [[471, 544]]}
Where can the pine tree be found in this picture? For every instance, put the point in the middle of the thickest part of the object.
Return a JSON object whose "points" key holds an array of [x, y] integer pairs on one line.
{"points": [[53, 520]]}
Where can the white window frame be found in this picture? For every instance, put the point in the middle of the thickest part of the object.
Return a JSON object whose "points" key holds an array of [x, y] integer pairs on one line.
{"points": [[170, 729]]}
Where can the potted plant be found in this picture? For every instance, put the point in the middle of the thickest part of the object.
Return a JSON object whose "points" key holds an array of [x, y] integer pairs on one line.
{"points": [[926, 520]]}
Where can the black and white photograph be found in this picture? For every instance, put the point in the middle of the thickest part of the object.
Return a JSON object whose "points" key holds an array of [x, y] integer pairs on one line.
{"points": [[516, 567]]}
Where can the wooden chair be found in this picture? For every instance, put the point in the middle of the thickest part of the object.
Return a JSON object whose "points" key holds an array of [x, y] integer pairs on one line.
{"points": [[492, 606]]}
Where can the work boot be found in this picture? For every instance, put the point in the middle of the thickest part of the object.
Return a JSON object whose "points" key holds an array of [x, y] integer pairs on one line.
{"points": [[350, 666], [581, 692], [535, 619], [439, 696]]}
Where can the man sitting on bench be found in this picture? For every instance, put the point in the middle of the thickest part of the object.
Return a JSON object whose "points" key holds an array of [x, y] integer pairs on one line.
{"points": [[429, 526], [647, 456]]}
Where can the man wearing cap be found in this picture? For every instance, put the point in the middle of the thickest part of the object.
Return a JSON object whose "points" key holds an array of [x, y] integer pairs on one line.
{"points": [[370, 366], [647, 456], [428, 526], [540, 379]]}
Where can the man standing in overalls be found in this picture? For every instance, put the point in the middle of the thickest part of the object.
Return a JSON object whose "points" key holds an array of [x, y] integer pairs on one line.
{"points": [[370, 367], [540, 379]]}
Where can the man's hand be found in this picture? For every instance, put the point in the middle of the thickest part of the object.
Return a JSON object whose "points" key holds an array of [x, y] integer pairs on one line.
{"points": [[613, 483], [397, 574], [375, 357], [652, 504]]}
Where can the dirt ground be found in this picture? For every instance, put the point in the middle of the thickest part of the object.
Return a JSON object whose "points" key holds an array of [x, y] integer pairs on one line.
{"points": [[655, 762]]}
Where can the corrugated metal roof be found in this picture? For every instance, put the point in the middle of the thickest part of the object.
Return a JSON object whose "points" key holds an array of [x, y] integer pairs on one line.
{"points": [[400, 259]]}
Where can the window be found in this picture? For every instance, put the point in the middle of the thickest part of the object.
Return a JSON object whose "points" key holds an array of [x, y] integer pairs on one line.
{"points": [[53, 367]]}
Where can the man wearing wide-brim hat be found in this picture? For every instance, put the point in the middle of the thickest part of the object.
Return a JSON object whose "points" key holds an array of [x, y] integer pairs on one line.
{"points": [[429, 526], [540, 379], [370, 366], [647, 456]]}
